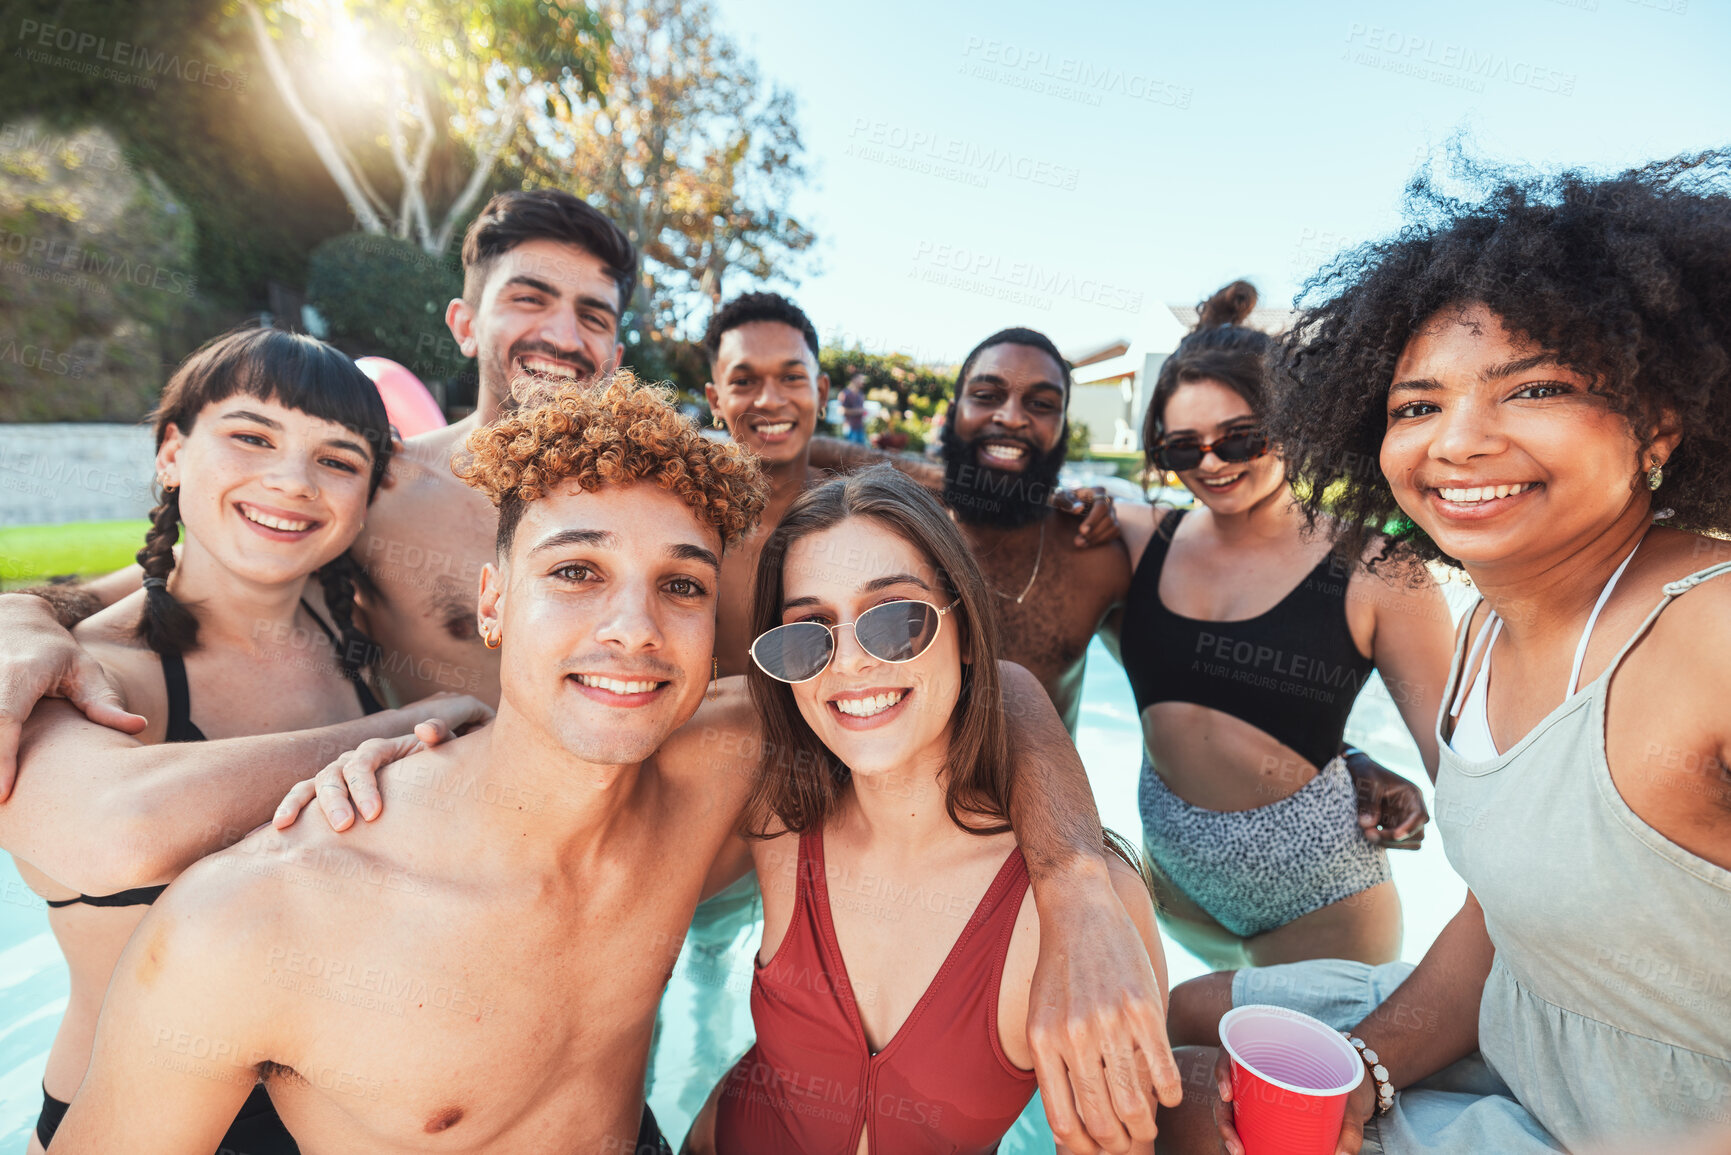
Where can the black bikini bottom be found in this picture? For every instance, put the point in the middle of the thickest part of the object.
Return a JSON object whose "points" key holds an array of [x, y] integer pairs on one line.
{"points": [[255, 1131]]}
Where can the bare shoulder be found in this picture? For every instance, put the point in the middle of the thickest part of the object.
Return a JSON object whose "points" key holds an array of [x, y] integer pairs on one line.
{"points": [[1104, 567], [110, 636], [1697, 623], [213, 930], [1137, 521], [715, 756], [722, 735]]}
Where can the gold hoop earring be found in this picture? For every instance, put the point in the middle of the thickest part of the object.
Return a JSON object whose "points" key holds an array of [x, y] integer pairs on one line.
{"points": [[716, 420], [1656, 475], [491, 641], [714, 677]]}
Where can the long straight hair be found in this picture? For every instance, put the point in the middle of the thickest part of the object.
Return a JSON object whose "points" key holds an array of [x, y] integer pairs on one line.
{"points": [[298, 372], [801, 780]]}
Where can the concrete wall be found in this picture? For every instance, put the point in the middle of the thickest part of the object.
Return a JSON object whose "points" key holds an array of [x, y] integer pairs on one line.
{"points": [[53, 473]]}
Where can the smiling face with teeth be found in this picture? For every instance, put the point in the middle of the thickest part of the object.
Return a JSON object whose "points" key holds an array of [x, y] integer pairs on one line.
{"points": [[1499, 452], [1005, 439], [1205, 411], [766, 386], [547, 310], [605, 608], [268, 493], [877, 717]]}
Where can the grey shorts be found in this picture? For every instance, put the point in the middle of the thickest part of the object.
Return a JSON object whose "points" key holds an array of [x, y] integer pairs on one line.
{"points": [[1254, 870]]}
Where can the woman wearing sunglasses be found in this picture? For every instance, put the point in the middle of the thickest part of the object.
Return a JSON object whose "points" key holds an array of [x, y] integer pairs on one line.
{"points": [[1541, 367], [891, 991], [1247, 640]]}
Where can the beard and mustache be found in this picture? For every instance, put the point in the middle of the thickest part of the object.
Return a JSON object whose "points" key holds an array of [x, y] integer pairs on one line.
{"points": [[998, 498], [521, 385]]}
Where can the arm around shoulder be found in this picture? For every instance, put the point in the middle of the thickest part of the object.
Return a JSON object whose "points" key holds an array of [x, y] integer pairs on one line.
{"points": [[100, 812]]}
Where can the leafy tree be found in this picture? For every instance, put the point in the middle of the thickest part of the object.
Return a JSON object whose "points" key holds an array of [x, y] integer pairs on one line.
{"points": [[177, 86], [696, 159], [917, 388], [384, 296], [413, 74]]}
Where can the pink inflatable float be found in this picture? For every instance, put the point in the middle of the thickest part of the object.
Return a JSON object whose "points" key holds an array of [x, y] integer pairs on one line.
{"points": [[408, 404]]}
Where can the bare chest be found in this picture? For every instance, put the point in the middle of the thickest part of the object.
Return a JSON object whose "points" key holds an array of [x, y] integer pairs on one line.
{"points": [[423, 552], [1061, 605], [529, 1037]]}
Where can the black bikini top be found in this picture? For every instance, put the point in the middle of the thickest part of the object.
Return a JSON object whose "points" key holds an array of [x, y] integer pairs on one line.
{"points": [[182, 729], [1292, 672]]}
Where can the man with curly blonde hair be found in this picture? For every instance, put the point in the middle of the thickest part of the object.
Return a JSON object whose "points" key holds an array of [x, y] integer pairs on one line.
{"points": [[506, 926]]}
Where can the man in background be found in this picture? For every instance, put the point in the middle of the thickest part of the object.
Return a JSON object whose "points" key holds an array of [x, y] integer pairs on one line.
{"points": [[853, 409]]}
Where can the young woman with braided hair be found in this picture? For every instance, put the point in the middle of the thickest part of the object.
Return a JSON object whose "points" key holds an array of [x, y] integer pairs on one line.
{"points": [[269, 448]]}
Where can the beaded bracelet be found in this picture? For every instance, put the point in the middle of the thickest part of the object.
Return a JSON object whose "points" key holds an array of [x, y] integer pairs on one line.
{"points": [[1378, 1073]]}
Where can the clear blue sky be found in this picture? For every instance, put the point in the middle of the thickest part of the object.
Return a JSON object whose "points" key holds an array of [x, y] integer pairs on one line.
{"points": [[1136, 154]]}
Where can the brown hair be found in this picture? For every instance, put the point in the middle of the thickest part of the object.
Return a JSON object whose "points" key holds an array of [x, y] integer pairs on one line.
{"points": [[613, 432], [298, 372], [801, 779], [1219, 349], [520, 216]]}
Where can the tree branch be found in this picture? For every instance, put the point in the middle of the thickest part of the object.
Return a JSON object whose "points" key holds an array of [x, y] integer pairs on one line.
{"points": [[485, 159], [317, 135]]}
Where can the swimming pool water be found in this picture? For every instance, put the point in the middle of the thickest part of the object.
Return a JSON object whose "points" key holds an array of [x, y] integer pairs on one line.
{"points": [[705, 1020]]}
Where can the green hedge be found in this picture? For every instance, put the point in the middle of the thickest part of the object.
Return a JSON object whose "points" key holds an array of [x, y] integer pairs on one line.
{"points": [[385, 297]]}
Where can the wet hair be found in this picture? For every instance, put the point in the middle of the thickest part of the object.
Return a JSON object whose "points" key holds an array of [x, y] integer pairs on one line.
{"points": [[749, 307], [1625, 279], [1219, 349], [298, 372], [1032, 338], [514, 218], [801, 780], [615, 432]]}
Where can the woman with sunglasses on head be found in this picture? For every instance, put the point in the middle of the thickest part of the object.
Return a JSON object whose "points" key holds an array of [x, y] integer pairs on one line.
{"points": [[891, 991], [1541, 366], [1247, 639], [269, 448]]}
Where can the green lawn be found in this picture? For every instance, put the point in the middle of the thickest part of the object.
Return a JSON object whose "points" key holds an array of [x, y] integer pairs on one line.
{"points": [[31, 553]]}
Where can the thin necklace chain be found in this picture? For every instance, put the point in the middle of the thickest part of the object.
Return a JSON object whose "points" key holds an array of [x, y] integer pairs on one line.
{"points": [[1039, 555]]}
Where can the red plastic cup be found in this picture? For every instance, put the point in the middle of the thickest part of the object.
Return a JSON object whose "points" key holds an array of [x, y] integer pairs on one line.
{"points": [[1291, 1075]]}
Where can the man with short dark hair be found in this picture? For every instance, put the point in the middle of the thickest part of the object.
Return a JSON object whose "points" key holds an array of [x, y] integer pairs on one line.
{"points": [[853, 409], [548, 307], [766, 389]]}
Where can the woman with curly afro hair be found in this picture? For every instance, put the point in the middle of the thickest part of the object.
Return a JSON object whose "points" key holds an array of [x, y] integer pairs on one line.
{"points": [[1534, 385]]}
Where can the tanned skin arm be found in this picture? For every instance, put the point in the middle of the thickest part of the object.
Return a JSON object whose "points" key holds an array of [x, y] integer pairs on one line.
{"points": [[838, 456], [42, 660], [1096, 1000], [1430, 1021], [181, 1036], [100, 812]]}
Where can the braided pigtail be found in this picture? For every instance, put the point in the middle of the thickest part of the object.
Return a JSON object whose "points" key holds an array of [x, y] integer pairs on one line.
{"points": [[338, 578], [166, 626]]}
